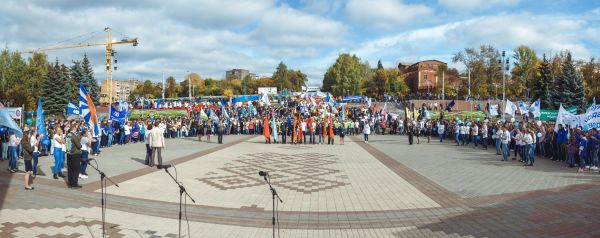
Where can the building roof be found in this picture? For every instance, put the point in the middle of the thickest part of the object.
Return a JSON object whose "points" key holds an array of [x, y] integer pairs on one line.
{"points": [[427, 60]]}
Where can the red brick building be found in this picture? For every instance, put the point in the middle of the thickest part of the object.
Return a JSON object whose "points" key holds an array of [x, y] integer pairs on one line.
{"points": [[421, 76]]}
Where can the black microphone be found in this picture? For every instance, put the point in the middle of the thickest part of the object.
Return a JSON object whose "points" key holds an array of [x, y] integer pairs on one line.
{"points": [[166, 166], [263, 173]]}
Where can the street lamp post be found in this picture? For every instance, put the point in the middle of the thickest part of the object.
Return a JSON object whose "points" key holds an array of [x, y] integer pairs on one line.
{"points": [[504, 65], [189, 86], [443, 85]]}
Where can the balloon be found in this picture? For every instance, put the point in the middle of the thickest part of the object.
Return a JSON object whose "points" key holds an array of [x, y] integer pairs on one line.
{"points": [[2, 130], [517, 124], [28, 122], [477, 119], [539, 123], [151, 118], [128, 114], [101, 119], [512, 119]]}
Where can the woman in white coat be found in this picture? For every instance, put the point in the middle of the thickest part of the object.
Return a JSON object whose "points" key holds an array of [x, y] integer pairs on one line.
{"points": [[367, 131]]}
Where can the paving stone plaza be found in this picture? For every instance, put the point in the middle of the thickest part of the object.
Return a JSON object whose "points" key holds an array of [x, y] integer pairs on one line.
{"points": [[385, 188]]}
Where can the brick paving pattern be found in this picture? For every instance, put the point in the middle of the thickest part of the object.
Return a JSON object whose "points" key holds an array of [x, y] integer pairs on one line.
{"points": [[382, 189]]}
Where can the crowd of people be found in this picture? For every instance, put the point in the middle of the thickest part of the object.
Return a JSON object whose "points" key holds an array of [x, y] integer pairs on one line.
{"points": [[525, 140], [293, 122]]}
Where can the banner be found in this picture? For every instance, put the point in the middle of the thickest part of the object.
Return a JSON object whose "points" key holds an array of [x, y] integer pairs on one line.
{"points": [[551, 115], [14, 112], [494, 110], [117, 115], [565, 117], [72, 109], [592, 118]]}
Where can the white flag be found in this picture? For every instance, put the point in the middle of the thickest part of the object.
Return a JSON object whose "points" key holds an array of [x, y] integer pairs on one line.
{"points": [[510, 108], [535, 108]]}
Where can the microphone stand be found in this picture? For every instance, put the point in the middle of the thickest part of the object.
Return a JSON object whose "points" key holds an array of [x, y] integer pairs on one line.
{"points": [[104, 198], [181, 192], [273, 194]]}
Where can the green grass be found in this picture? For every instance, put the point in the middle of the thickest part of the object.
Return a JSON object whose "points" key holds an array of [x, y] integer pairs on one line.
{"points": [[136, 114]]}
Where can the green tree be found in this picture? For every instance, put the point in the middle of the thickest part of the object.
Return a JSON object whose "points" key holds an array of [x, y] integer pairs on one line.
{"points": [[380, 82], [590, 71], [171, 88], [396, 83], [346, 76], [68, 88], [78, 76], [543, 84], [483, 66], [289, 79], [525, 68], [146, 89], [246, 84], [51, 97], [90, 82], [280, 77], [569, 86]]}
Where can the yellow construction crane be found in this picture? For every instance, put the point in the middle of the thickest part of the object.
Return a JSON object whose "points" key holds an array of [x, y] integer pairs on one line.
{"points": [[109, 55]]}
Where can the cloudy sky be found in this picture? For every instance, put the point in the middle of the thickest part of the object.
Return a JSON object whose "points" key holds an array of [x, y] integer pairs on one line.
{"points": [[211, 36]]}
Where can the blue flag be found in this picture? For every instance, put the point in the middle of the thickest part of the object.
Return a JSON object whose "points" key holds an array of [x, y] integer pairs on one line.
{"points": [[116, 115], [450, 106], [40, 125], [7, 121]]}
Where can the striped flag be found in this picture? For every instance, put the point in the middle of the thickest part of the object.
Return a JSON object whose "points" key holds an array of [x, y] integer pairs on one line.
{"points": [[88, 111]]}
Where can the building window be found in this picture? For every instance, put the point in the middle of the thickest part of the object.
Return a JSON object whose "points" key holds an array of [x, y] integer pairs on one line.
{"points": [[425, 76]]}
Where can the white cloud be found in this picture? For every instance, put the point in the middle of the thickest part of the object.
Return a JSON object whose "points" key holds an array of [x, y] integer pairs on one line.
{"points": [[321, 7], [386, 14], [467, 5], [543, 33], [288, 32], [217, 14]]}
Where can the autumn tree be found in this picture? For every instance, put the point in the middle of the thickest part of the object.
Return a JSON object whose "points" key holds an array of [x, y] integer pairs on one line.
{"points": [[346, 76], [524, 70]]}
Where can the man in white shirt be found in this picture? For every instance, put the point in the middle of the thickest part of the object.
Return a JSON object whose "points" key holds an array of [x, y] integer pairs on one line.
{"points": [[440, 130], [34, 142], [505, 140], [157, 142], [13, 142], [304, 132], [127, 130]]}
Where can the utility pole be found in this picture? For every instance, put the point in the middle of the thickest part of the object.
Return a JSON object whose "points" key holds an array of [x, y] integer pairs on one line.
{"points": [[163, 86], [469, 93], [189, 86], [443, 85]]}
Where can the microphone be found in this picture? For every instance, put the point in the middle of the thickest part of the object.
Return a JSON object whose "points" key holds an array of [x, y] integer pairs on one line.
{"points": [[166, 166], [263, 173]]}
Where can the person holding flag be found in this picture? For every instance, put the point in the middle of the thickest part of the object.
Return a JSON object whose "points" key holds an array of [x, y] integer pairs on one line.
{"points": [[274, 126], [266, 132]]}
